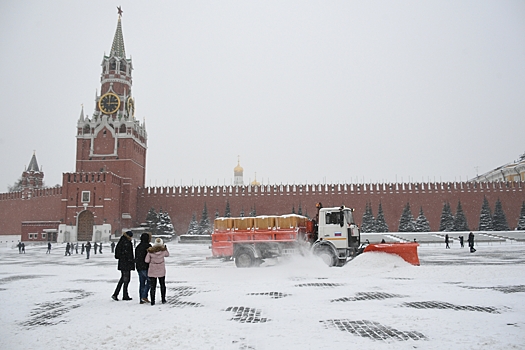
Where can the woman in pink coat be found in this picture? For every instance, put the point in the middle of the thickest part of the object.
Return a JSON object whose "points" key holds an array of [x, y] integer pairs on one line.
{"points": [[157, 268]]}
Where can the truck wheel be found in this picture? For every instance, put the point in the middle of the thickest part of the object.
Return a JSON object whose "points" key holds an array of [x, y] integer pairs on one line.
{"points": [[326, 255], [244, 258]]}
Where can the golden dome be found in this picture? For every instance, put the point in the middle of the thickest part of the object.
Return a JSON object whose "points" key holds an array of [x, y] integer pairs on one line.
{"points": [[238, 168], [255, 182]]}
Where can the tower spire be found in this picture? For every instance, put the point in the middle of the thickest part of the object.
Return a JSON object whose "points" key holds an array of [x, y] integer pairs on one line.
{"points": [[117, 48]]}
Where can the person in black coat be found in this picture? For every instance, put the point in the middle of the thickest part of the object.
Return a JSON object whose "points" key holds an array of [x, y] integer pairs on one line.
{"points": [[126, 263], [471, 242], [142, 266]]}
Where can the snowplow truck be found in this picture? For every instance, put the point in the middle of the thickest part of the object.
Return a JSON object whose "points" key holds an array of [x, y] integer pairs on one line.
{"points": [[332, 235]]}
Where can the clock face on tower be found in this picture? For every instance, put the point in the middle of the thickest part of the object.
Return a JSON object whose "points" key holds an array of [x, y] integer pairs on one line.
{"points": [[109, 103]]}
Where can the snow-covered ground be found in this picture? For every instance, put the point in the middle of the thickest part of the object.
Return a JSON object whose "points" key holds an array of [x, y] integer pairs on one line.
{"points": [[454, 300]]}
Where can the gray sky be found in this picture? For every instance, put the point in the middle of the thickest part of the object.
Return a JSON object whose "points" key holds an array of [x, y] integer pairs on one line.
{"points": [[303, 91]]}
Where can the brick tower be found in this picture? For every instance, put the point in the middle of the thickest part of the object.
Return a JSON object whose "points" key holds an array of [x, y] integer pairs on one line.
{"points": [[101, 195]]}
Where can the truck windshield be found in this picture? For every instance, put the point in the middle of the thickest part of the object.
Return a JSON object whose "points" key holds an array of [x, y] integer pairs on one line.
{"points": [[349, 217]]}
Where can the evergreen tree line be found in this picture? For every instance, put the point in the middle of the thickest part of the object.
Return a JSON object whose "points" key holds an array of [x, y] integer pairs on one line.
{"points": [[159, 224], [448, 222]]}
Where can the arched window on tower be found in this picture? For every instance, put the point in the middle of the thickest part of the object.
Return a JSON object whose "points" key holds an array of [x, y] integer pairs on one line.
{"points": [[122, 129], [123, 66], [86, 129], [112, 65]]}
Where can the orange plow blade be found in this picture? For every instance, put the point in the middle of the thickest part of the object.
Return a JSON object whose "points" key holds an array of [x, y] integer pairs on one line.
{"points": [[408, 251]]}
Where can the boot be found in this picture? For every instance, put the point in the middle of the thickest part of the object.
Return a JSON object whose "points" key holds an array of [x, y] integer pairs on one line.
{"points": [[152, 295], [163, 294]]}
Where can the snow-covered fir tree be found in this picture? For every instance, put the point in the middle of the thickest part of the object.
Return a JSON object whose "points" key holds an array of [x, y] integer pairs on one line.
{"points": [[300, 210], [368, 224], [499, 220], [422, 224], [205, 227], [253, 212], [485, 217], [521, 220], [227, 211], [447, 219], [293, 209], [152, 220], [217, 213], [241, 214], [193, 227], [381, 225], [164, 226], [460, 220], [406, 222]]}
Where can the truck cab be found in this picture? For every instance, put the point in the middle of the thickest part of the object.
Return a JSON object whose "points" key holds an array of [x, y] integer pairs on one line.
{"points": [[338, 236]]}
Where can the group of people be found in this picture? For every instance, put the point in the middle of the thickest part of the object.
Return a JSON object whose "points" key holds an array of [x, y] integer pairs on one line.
{"points": [[150, 264], [21, 247], [470, 242]]}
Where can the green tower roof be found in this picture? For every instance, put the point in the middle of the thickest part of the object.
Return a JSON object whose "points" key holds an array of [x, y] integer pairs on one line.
{"points": [[117, 49]]}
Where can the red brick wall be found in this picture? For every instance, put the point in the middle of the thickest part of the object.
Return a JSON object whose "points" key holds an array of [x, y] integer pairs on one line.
{"points": [[43, 205], [38, 227], [182, 202]]}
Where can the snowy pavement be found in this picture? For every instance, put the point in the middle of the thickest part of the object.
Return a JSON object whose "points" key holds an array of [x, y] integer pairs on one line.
{"points": [[454, 300]]}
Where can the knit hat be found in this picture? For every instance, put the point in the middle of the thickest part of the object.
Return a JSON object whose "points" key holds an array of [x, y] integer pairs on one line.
{"points": [[158, 242], [129, 233]]}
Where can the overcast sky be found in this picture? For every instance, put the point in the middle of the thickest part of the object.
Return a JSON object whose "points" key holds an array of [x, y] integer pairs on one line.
{"points": [[302, 91]]}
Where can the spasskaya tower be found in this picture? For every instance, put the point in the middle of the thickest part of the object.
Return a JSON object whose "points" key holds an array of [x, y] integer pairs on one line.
{"points": [[111, 154]]}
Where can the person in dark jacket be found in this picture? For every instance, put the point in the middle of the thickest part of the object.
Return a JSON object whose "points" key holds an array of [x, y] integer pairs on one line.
{"points": [[126, 263], [446, 242], [471, 242], [88, 248], [142, 267]]}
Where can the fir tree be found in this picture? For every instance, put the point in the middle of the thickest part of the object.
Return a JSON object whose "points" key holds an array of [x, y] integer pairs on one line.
{"points": [[300, 210], [485, 217], [253, 213], [460, 220], [193, 227], [406, 222], [422, 224], [499, 220], [227, 211], [217, 213], [152, 220], [204, 224], [241, 214], [521, 220], [293, 209], [447, 219], [164, 226], [368, 223], [381, 225]]}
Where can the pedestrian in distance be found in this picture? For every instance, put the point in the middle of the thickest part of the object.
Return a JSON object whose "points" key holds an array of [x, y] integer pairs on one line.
{"points": [[126, 263], [157, 268], [112, 247], [88, 248], [446, 242], [100, 248], [142, 266], [67, 249], [48, 251], [96, 247], [471, 242], [19, 247], [23, 248], [461, 241], [82, 251], [76, 248]]}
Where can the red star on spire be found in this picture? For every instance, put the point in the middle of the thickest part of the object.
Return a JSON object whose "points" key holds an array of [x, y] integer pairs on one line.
{"points": [[119, 10]]}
